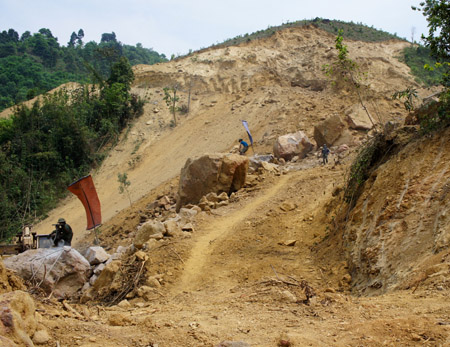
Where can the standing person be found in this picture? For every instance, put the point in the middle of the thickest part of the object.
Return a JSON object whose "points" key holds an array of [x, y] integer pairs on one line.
{"points": [[325, 152], [62, 232], [243, 147]]}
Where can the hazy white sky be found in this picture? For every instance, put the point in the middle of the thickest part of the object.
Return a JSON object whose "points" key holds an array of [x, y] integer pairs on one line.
{"points": [[175, 26]]}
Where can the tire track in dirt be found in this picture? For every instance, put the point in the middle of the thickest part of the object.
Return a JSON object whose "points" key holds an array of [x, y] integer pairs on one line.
{"points": [[202, 251]]}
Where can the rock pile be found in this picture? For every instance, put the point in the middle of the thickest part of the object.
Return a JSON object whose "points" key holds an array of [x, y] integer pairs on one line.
{"points": [[126, 274], [212, 201]]}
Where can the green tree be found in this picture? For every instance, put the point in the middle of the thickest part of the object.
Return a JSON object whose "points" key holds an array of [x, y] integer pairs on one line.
{"points": [[26, 35], [37, 63], [57, 140], [107, 37], [80, 37], [73, 39], [171, 98], [121, 72], [347, 70], [409, 94], [437, 13], [124, 183]]}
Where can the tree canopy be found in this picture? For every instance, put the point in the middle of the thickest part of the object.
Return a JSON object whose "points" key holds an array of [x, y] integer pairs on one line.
{"points": [[31, 64], [46, 147], [437, 13]]}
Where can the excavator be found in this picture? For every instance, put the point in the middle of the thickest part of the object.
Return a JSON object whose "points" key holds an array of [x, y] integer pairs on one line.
{"points": [[25, 240]]}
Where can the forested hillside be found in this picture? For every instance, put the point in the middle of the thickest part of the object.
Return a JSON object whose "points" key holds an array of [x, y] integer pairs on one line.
{"points": [[31, 64], [60, 138]]}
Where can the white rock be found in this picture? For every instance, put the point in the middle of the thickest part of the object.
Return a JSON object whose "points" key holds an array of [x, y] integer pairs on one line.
{"points": [[93, 279], [99, 268], [96, 255], [62, 271]]}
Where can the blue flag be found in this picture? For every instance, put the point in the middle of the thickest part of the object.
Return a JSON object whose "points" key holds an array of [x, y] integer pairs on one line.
{"points": [[244, 122]]}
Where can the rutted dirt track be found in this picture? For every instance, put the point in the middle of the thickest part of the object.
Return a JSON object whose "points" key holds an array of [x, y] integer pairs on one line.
{"points": [[199, 268]]}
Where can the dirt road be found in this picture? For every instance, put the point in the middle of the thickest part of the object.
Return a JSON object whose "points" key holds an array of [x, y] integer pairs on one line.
{"points": [[237, 280]]}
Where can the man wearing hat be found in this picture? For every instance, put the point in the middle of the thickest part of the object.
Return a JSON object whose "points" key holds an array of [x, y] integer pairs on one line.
{"points": [[62, 232]]}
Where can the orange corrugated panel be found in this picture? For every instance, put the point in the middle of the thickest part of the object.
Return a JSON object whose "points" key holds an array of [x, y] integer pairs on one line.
{"points": [[85, 190]]}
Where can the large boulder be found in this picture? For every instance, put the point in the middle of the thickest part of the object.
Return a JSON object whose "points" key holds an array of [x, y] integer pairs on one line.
{"points": [[61, 270], [290, 145], [215, 173], [329, 131], [17, 319], [358, 118]]}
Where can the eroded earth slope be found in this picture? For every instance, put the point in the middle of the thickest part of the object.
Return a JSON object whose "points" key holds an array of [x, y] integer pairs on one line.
{"points": [[273, 267]]}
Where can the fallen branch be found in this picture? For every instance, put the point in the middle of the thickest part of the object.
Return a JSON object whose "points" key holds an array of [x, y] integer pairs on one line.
{"points": [[176, 254], [128, 288], [72, 310], [283, 281], [275, 272]]}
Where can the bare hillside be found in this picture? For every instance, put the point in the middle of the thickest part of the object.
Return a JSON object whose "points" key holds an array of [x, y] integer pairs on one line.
{"points": [[280, 265], [276, 84]]}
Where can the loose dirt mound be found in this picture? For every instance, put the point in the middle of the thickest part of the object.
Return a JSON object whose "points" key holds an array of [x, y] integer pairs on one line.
{"points": [[8, 281]]}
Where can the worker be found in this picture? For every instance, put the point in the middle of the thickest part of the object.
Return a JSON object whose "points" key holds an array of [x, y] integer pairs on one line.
{"points": [[243, 147], [63, 232], [325, 152]]}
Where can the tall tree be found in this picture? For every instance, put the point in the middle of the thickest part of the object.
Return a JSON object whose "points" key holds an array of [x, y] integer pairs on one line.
{"points": [[437, 13], [26, 35], [106, 37], [80, 37], [46, 32], [13, 35], [72, 40]]}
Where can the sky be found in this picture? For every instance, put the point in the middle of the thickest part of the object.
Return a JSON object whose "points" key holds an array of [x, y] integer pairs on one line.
{"points": [[177, 26]]}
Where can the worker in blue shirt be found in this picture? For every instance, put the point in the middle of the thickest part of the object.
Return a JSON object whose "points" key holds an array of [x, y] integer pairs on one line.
{"points": [[243, 147]]}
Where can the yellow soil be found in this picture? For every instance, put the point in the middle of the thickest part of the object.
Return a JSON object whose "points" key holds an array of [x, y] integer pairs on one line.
{"points": [[235, 279]]}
